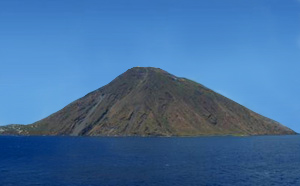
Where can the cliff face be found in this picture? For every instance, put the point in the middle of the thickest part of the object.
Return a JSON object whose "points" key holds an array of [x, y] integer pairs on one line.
{"points": [[150, 101]]}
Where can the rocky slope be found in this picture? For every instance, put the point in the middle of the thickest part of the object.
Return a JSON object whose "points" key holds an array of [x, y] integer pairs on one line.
{"points": [[150, 101]]}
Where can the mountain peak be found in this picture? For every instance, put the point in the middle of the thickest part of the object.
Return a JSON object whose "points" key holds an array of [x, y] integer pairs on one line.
{"points": [[146, 69]]}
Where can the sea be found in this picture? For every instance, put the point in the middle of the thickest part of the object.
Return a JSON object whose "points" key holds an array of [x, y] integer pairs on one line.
{"points": [[143, 161]]}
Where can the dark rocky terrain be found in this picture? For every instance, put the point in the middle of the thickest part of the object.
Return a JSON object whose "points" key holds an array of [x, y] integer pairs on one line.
{"points": [[150, 101]]}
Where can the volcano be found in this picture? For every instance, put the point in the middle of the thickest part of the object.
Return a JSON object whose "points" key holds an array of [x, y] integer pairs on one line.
{"points": [[152, 102]]}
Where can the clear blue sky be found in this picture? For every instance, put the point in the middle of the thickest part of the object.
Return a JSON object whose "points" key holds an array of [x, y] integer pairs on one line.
{"points": [[53, 52]]}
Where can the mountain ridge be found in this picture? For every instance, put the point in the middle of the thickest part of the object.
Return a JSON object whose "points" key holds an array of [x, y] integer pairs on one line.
{"points": [[147, 101]]}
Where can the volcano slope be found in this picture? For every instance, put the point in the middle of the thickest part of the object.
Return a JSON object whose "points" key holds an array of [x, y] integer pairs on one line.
{"points": [[151, 102]]}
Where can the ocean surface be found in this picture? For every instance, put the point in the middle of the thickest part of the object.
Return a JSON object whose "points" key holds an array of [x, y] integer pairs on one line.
{"points": [[260, 160]]}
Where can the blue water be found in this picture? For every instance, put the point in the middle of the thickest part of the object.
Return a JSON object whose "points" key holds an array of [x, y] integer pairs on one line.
{"points": [[261, 160]]}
